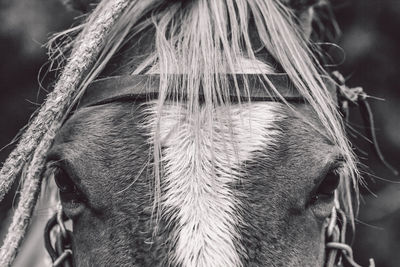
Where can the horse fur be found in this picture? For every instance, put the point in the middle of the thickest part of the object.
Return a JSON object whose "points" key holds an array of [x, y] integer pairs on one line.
{"points": [[250, 215], [199, 38]]}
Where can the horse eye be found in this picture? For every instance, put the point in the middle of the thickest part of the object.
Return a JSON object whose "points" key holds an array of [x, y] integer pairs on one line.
{"points": [[329, 184], [326, 189], [63, 182]]}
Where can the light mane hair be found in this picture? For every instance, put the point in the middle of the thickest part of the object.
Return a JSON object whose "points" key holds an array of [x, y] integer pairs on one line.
{"points": [[204, 40]]}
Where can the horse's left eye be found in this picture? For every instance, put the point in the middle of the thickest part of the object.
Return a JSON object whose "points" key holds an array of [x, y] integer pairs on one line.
{"points": [[329, 184], [326, 189]]}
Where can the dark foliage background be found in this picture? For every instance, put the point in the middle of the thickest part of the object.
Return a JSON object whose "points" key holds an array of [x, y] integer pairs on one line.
{"points": [[370, 40]]}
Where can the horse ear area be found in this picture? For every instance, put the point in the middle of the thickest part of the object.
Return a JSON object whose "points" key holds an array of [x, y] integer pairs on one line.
{"points": [[304, 10], [300, 5], [83, 6], [86, 5]]}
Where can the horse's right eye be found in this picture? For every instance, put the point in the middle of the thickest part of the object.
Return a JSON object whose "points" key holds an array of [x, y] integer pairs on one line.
{"points": [[71, 197], [64, 183]]}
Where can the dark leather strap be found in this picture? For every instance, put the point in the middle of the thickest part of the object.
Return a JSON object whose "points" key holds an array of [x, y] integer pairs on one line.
{"points": [[146, 87]]}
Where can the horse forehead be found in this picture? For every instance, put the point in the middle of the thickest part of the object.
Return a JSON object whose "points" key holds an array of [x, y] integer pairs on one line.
{"points": [[119, 120], [113, 135], [206, 207]]}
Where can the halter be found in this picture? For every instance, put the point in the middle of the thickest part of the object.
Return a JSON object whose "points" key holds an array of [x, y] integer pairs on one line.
{"points": [[142, 88]]}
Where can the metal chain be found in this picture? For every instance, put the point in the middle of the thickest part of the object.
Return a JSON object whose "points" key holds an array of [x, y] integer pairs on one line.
{"points": [[61, 252], [336, 247]]}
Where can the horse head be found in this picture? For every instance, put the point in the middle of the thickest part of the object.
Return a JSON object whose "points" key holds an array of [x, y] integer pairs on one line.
{"points": [[193, 133]]}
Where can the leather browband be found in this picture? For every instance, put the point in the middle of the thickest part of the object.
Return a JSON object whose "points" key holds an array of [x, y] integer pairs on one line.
{"points": [[146, 87]]}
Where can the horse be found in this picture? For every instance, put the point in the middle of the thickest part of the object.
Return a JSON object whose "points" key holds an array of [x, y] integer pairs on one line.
{"points": [[189, 133]]}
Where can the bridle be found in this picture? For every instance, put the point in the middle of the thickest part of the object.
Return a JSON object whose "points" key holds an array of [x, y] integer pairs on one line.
{"points": [[142, 88]]}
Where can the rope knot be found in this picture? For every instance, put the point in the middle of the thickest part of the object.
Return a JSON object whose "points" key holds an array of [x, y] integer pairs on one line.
{"points": [[357, 97]]}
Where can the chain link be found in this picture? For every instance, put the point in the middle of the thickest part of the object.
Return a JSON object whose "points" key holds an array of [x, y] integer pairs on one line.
{"points": [[61, 252], [336, 247]]}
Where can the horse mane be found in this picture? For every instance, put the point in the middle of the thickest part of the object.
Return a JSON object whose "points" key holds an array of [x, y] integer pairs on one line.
{"points": [[198, 38]]}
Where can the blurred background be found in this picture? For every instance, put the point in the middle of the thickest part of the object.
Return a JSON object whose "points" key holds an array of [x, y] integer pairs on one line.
{"points": [[371, 43]]}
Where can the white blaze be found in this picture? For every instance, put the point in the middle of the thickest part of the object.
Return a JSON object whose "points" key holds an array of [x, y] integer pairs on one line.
{"points": [[199, 172]]}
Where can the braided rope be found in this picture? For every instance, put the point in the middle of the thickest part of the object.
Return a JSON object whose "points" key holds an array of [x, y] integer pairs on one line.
{"points": [[39, 136]]}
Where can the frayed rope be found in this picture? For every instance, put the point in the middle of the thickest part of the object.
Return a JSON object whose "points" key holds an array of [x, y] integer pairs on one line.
{"points": [[36, 141]]}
